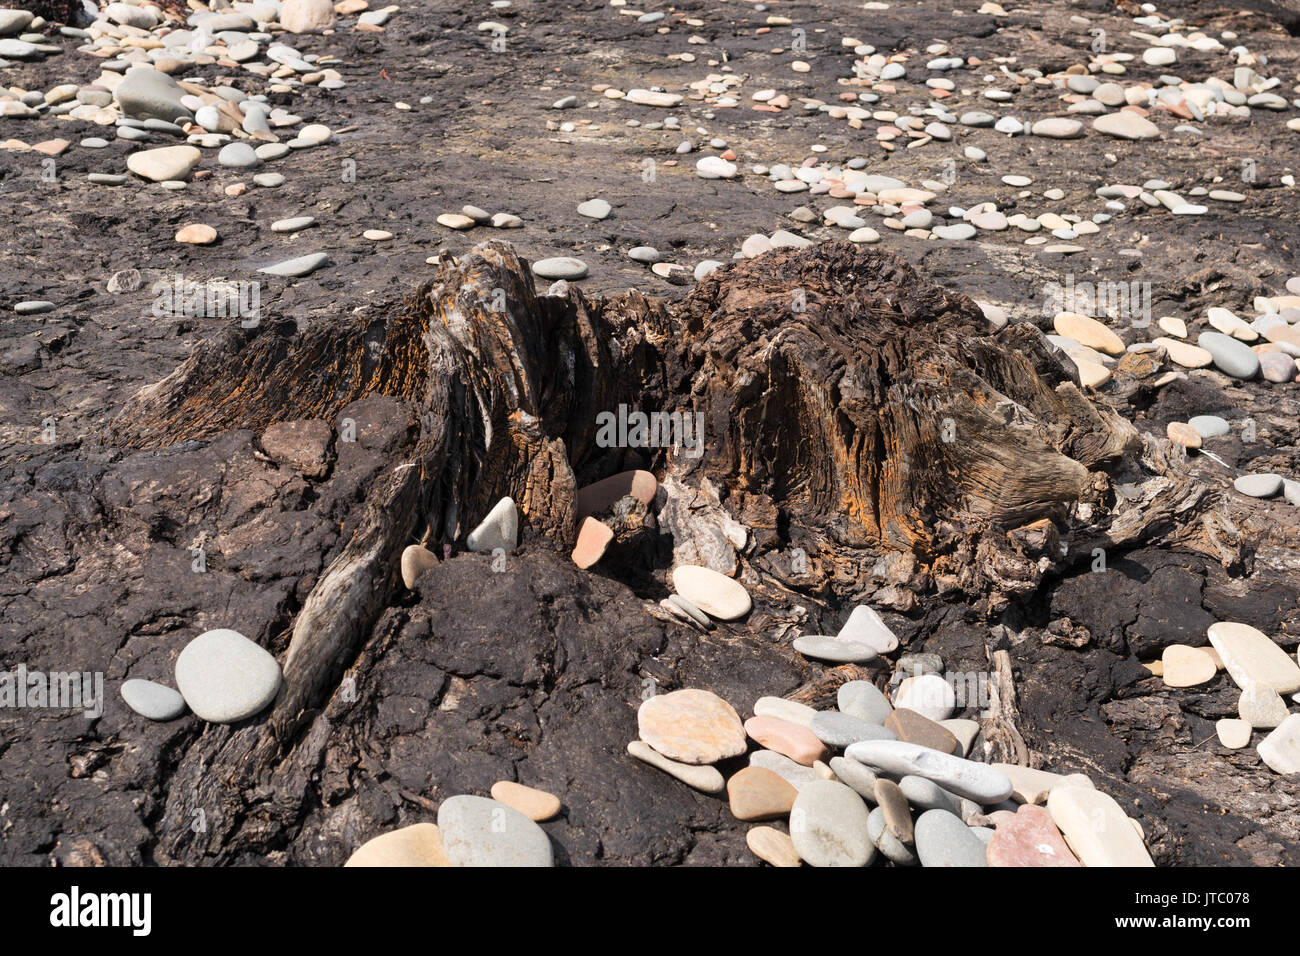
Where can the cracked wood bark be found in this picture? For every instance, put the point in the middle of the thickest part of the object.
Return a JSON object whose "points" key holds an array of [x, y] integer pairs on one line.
{"points": [[844, 398]]}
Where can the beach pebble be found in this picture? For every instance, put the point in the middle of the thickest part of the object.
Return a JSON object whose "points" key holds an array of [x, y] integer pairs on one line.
{"points": [[479, 831], [499, 529], [964, 778], [712, 592], [1249, 656], [559, 267], [152, 700], [755, 793], [535, 804], [224, 677], [828, 825], [703, 778], [691, 726], [943, 840], [417, 845], [1096, 828]]}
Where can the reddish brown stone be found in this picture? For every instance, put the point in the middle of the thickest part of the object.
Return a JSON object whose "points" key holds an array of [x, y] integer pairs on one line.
{"points": [[898, 816], [798, 743], [1028, 837], [910, 726]]}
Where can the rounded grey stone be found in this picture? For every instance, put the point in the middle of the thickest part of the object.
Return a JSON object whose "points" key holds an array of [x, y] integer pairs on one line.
{"points": [[152, 700], [828, 824], [301, 266], [855, 775], [224, 677], [644, 254], [1259, 486], [479, 831], [943, 840], [925, 794], [238, 156], [1230, 356], [841, 730], [862, 699], [34, 307]]}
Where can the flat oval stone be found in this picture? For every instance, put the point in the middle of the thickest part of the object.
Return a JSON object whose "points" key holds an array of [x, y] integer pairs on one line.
{"points": [[842, 730], [860, 698], [1183, 434], [165, 163], [908, 725], [417, 845], [1187, 666], [898, 815], [692, 726], [1028, 837], [828, 825], [865, 626], [705, 779], [295, 268], [1089, 332], [1032, 786], [712, 592], [943, 840], [772, 846], [594, 209], [798, 743], [533, 803], [756, 793], [559, 267], [1230, 356], [1096, 828], [862, 779], [964, 778], [478, 831], [796, 774], [153, 700], [594, 538], [224, 677], [1249, 656], [964, 730], [833, 649], [886, 842], [1258, 486]]}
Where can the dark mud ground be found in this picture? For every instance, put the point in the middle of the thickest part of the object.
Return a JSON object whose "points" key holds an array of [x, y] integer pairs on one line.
{"points": [[94, 541]]}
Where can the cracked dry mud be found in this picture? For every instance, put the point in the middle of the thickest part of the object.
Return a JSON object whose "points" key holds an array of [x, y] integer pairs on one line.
{"points": [[822, 438]]}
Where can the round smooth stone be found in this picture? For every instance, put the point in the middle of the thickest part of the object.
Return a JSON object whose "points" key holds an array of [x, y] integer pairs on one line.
{"points": [[862, 699], [594, 209], [834, 649], [1089, 332], [198, 234], [478, 831], [224, 677], [416, 845], [269, 180], [377, 235], [1126, 125], [756, 793], [153, 700], [929, 695], [828, 824], [772, 846], [705, 267], [788, 710], [269, 151], [1258, 486], [506, 220], [715, 167], [94, 142], [238, 156], [646, 254], [928, 795], [885, 841], [843, 730], [315, 133], [166, 163], [1057, 128], [703, 778], [965, 778], [712, 592], [1210, 426], [1187, 666], [1230, 356], [956, 231], [864, 235], [792, 740], [942, 839], [1250, 656], [1233, 733], [415, 561], [1184, 353], [534, 804], [559, 267], [460, 222], [691, 726]]}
